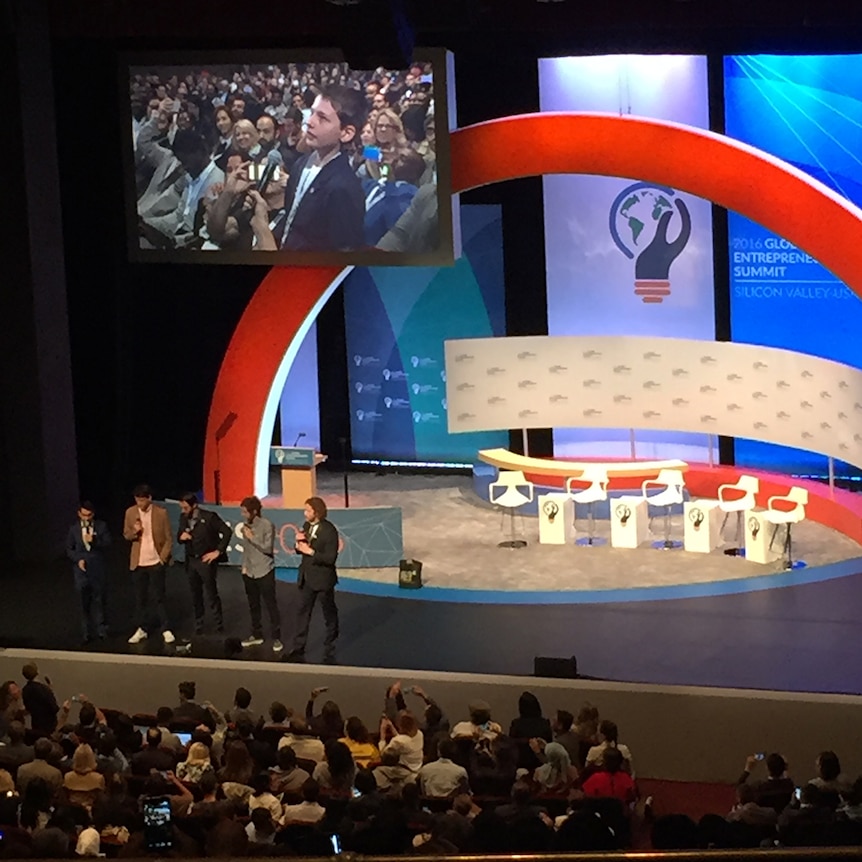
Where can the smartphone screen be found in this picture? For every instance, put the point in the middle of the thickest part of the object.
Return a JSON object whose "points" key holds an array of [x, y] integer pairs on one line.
{"points": [[373, 154], [336, 843], [157, 823], [797, 794]]}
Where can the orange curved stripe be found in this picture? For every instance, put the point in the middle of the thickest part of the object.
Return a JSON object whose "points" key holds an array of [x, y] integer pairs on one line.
{"points": [[711, 166], [272, 317]]}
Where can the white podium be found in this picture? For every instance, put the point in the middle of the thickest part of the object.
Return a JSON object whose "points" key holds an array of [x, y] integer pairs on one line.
{"points": [[556, 519], [758, 535], [629, 522], [702, 526]]}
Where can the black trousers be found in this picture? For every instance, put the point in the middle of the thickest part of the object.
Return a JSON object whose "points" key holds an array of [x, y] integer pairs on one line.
{"points": [[91, 592], [202, 578], [147, 579], [307, 598], [255, 588]]}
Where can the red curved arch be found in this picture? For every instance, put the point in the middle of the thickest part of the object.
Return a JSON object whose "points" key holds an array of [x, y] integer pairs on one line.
{"points": [[714, 167]]}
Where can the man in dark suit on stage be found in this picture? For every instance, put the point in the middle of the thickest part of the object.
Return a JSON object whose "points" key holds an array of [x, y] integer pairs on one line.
{"points": [[85, 547], [317, 542], [205, 537]]}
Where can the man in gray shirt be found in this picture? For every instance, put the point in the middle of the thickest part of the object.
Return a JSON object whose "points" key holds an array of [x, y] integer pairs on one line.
{"points": [[258, 572]]}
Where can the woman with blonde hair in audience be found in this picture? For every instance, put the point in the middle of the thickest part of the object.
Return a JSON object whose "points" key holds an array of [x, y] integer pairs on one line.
{"points": [[358, 741], [83, 785], [406, 740], [197, 762], [389, 137]]}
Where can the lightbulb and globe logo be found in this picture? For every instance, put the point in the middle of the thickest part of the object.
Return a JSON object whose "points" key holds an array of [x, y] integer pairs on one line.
{"points": [[641, 217], [696, 517], [551, 510]]}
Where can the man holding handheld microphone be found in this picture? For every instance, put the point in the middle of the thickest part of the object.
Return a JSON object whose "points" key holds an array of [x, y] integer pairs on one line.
{"points": [[317, 543], [258, 572]]}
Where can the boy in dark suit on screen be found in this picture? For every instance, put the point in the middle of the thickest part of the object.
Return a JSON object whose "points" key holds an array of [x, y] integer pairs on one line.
{"points": [[324, 201]]}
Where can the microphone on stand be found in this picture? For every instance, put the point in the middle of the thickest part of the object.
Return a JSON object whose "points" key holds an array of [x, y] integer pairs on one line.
{"points": [[299, 437]]}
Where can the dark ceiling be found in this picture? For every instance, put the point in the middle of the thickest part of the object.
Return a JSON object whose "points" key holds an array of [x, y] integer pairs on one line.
{"points": [[835, 22]]}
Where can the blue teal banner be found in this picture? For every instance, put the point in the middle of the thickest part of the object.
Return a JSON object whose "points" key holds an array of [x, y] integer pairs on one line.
{"points": [[369, 538], [808, 111], [397, 320], [626, 257]]}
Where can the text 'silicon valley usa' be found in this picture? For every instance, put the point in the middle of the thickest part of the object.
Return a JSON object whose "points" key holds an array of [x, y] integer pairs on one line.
{"points": [[641, 217]]}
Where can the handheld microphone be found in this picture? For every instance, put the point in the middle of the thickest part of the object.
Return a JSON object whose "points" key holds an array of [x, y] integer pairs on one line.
{"points": [[273, 160], [299, 437]]}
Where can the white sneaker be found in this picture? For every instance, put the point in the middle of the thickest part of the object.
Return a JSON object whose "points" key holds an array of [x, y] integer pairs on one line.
{"points": [[252, 641], [277, 646], [138, 636], [168, 635]]}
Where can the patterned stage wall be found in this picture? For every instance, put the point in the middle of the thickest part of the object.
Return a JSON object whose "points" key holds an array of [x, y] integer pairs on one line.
{"points": [[807, 110], [626, 257], [369, 537], [676, 384], [396, 321]]}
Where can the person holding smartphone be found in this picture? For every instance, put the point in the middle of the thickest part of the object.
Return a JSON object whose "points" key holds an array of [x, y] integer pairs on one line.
{"points": [[774, 791], [317, 542]]}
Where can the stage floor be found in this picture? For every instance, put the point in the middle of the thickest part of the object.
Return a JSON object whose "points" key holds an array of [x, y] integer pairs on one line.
{"points": [[455, 535], [627, 618]]}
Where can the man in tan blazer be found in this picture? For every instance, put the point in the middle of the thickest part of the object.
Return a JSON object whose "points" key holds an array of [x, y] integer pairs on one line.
{"points": [[147, 527]]}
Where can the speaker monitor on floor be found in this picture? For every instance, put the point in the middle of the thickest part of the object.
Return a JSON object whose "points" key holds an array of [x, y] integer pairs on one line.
{"points": [[410, 574], [555, 668]]}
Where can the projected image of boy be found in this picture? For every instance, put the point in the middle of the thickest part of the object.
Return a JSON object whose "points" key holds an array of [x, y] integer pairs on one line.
{"points": [[324, 200]]}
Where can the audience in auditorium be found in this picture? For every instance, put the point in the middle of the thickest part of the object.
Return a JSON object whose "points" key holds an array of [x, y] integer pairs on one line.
{"points": [[247, 787], [185, 131]]}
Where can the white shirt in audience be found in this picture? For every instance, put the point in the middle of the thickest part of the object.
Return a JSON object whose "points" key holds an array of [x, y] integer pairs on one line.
{"points": [[304, 812]]}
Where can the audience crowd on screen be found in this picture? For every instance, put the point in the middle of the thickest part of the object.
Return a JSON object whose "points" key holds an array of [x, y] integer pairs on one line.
{"points": [[247, 781], [206, 136]]}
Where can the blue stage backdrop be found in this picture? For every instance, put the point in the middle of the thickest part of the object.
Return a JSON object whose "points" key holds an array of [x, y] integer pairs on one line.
{"points": [[626, 257], [301, 387], [397, 320], [808, 111], [370, 538]]}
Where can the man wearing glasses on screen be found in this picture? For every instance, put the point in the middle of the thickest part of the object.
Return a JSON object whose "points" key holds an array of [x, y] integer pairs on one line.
{"points": [[324, 201]]}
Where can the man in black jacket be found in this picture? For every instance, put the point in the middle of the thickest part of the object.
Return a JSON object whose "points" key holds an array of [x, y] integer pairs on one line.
{"points": [[39, 700], [317, 542], [205, 537]]}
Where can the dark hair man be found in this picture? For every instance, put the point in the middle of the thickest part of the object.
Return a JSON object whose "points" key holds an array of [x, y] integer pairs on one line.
{"points": [[148, 528], [258, 572], [317, 542], [85, 547], [39, 700], [205, 537]]}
